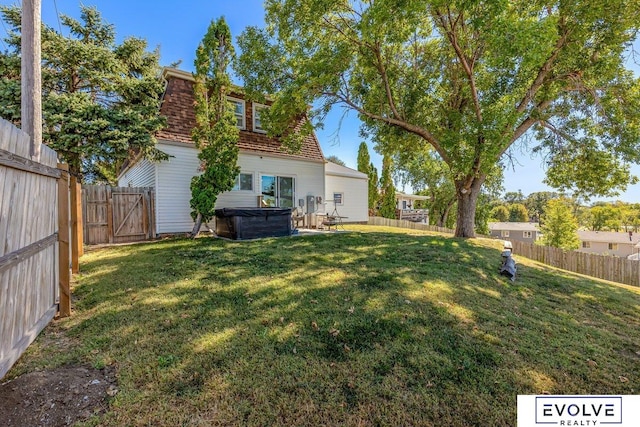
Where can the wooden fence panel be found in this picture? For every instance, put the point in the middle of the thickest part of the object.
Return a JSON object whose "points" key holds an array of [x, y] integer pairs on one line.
{"points": [[386, 222], [117, 214], [614, 269], [29, 269]]}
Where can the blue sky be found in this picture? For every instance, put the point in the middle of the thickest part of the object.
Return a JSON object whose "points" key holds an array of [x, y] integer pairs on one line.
{"points": [[176, 27]]}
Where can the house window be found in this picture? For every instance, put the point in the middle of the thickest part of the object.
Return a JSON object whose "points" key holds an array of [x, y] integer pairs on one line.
{"points": [[504, 233], [404, 204], [244, 182], [277, 191], [238, 111], [586, 245], [527, 234], [613, 246], [337, 198], [257, 124]]}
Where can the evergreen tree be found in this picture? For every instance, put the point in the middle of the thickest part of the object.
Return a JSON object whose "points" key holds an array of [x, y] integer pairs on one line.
{"points": [[215, 134], [365, 166], [388, 206], [560, 226], [374, 191], [364, 160], [100, 99]]}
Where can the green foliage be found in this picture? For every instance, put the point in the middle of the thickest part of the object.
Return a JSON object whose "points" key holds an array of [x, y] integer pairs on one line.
{"points": [[374, 191], [560, 226], [100, 99], [388, 198], [336, 160], [518, 213], [500, 213], [512, 197], [536, 203], [468, 79], [366, 166], [215, 134], [364, 160]]}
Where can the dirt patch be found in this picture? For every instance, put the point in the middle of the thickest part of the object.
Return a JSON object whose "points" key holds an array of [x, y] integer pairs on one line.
{"points": [[56, 398]]}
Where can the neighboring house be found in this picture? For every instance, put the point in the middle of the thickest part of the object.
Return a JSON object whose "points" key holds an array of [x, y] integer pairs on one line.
{"points": [[608, 243], [515, 231], [269, 176], [406, 207], [346, 192]]}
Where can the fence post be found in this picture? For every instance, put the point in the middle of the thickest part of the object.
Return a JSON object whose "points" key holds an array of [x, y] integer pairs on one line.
{"points": [[76, 224], [64, 308]]}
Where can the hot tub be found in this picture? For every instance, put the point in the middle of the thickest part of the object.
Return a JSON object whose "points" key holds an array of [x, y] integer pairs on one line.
{"points": [[253, 223]]}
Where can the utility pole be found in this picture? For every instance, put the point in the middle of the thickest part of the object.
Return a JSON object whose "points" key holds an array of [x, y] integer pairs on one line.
{"points": [[31, 75]]}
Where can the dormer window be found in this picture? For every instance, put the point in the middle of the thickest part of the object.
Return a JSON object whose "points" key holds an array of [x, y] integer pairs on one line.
{"points": [[257, 124], [238, 111]]}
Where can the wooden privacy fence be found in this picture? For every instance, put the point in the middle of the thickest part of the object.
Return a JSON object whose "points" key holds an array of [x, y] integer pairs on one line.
{"points": [[35, 243], [386, 222], [614, 269], [117, 214]]}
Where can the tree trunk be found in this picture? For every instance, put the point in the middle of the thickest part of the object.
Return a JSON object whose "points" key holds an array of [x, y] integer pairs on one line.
{"points": [[442, 222], [196, 227], [467, 199]]}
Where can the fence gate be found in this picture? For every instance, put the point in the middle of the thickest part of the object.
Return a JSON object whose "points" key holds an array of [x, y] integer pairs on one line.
{"points": [[117, 214]]}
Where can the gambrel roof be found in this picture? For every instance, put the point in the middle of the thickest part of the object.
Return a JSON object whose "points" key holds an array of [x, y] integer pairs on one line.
{"points": [[178, 107]]}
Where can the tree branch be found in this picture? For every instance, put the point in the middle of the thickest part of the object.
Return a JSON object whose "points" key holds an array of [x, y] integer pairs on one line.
{"points": [[449, 28], [416, 130], [385, 80], [542, 73]]}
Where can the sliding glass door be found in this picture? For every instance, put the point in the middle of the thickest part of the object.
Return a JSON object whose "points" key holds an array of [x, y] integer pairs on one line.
{"points": [[277, 191]]}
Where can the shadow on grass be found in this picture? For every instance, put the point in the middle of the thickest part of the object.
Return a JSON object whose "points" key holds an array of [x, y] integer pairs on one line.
{"points": [[347, 329]]}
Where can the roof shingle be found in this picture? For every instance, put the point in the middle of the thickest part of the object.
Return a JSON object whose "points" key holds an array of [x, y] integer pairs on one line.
{"points": [[178, 107]]}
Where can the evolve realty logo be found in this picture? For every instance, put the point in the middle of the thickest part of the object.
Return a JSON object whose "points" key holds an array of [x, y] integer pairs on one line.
{"points": [[578, 410]]}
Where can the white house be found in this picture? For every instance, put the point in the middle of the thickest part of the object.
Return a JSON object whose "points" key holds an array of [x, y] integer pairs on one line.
{"points": [[346, 193], [269, 176]]}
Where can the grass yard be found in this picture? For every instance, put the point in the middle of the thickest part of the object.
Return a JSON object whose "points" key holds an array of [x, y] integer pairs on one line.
{"points": [[374, 327]]}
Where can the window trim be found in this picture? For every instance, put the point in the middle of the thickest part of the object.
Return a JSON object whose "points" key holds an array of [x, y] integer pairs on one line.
{"points": [[586, 244], [341, 197], [244, 110], [237, 183], [504, 233], [527, 234], [256, 107], [613, 246]]}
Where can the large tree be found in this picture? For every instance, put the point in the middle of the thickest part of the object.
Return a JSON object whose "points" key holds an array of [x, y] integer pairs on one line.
{"points": [[100, 98], [216, 134], [468, 78]]}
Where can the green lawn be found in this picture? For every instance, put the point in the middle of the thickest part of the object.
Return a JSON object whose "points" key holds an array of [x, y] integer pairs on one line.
{"points": [[373, 327]]}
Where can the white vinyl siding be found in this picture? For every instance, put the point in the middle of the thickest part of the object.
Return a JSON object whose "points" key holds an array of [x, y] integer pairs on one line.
{"points": [[355, 200], [173, 192], [308, 178], [174, 178], [142, 174]]}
